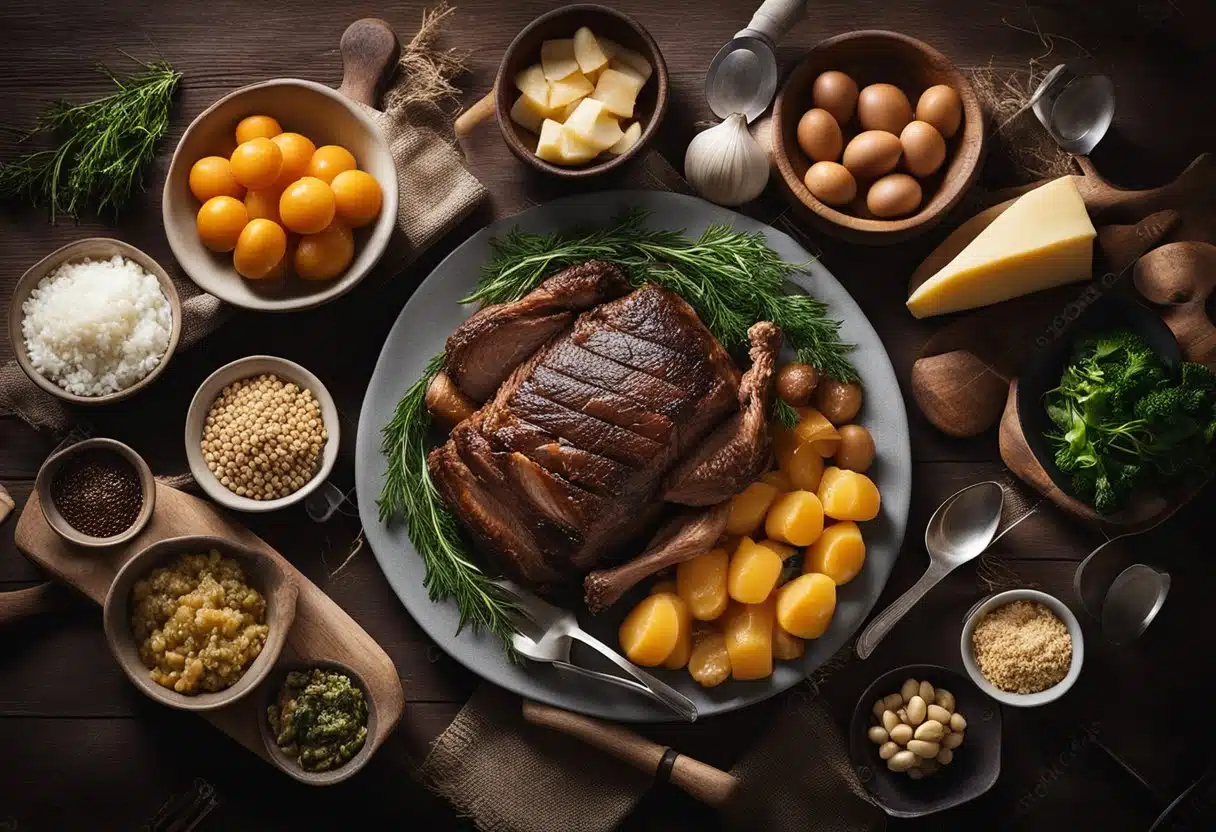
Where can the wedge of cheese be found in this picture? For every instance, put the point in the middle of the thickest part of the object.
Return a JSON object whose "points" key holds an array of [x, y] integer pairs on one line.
{"points": [[1043, 240]]}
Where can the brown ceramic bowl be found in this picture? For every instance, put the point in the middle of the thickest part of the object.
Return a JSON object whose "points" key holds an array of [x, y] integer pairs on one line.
{"points": [[46, 476], [873, 56], [270, 690], [263, 573], [562, 23], [95, 248]]}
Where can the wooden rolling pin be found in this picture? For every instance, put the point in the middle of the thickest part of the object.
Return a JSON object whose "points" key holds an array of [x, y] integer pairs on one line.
{"points": [[711, 786]]}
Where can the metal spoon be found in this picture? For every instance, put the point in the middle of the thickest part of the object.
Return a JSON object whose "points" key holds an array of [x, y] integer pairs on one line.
{"points": [[742, 77], [960, 530]]}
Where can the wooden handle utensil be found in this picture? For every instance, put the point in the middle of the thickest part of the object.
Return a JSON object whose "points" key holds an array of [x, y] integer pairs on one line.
{"points": [[370, 51], [711, 786], [22, 603], [475, 115]]}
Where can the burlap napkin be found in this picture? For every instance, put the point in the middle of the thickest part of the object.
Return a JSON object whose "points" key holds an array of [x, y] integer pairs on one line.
{"points": [[435, 192]]}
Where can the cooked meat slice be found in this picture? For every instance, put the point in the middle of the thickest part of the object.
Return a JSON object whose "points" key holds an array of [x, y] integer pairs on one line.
{"points": [[445, 403], [585, 431], [602, 404], [483, 351], [663, 317], [596, 473], [569, 359], [495, 528], [691, 375], [682, 538], [738, 450]]}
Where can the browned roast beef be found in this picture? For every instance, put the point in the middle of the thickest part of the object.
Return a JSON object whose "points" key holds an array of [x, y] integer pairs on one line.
{"points": [[586, 420]]}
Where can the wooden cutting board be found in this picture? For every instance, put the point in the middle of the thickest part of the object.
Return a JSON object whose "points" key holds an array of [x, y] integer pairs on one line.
{"points": [[322, 629]]}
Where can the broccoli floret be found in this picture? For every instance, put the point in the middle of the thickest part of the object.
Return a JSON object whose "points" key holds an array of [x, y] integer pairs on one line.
{"points": [[1198, 377], [1107, 497], [1161, 405], [1085, 483]]}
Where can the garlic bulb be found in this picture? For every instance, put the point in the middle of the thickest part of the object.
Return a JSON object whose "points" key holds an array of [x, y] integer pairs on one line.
{"points": [[725, 164]]}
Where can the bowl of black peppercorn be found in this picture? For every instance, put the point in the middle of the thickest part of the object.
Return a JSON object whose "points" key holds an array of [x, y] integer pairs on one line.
{"points": [[96, 493]]}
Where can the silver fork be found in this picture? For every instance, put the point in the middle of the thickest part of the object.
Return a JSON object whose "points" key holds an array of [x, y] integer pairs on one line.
{"points": [[556, 629]]}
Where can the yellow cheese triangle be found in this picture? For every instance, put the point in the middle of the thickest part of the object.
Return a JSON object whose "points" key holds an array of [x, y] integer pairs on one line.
{"points": [[1043, 240]]}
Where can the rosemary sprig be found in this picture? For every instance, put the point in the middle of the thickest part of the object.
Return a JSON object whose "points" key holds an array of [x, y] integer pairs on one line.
{"points": [[409, 493], [785, 413], [732, 278], [104, 145]]}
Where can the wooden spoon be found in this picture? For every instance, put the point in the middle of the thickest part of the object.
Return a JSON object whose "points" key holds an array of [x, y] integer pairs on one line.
{"points": [[707, 784], [370, 51]]}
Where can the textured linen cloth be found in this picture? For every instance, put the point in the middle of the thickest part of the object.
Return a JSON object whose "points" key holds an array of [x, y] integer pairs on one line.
{"points": [[435, 192]]}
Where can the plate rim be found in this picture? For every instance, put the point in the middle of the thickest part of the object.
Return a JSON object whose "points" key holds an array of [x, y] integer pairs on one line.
{"points": [[644, 713]]}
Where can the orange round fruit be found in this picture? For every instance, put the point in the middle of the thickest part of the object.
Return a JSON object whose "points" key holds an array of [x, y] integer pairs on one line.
{"points": [[329, 161], [307, 206], [257, 127], [326, 255], [256, 163], [259, 249], [357, 197], [280, 269], [220, 222], [263, 204], [212, 176], [297, 152]]}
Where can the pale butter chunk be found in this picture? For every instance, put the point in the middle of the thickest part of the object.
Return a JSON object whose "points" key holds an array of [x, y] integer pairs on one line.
{"points": [[1043, 240]]}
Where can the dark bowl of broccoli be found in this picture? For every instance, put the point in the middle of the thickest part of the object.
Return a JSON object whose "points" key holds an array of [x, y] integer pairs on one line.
{"points": [[1109, 408]]}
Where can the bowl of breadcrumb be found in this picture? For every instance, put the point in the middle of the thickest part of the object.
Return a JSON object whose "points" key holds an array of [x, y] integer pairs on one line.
{"points": [[1023, 647]]}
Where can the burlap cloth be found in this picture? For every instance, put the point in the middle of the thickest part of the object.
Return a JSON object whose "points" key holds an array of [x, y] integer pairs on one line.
{"points": [[434, 193]]}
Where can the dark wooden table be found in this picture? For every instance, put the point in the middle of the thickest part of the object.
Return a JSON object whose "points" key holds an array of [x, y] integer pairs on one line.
{"points": [[83, 750]]}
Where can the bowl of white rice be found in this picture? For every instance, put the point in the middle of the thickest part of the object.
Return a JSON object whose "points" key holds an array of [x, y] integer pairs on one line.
{"points": [[94, 321]]}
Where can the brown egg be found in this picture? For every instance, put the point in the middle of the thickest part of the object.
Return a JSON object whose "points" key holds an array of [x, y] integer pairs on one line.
{"points": [[831, 183], [924, 148], [941, 107], [819, 136], [837, 93], [883, 107], [872, 153], [895, 195]]}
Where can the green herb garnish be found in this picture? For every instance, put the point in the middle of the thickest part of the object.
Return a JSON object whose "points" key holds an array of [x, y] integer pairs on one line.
{"points": [[1124, 423], [784, 412], [732, 279], [104, 145]]}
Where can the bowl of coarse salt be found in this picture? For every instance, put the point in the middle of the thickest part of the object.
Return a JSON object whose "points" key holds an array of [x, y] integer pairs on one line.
{"points": [[1023, 647], [94, 321]]}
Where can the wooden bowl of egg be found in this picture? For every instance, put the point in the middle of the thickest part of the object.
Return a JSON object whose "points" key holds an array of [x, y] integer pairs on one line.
{"points": [[876, 135]]}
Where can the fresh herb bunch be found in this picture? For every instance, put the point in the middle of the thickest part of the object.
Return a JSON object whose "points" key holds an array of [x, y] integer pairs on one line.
{"points": [[1124, 423], [104, 145], [732, 278], [409, 493], [785, 413]]}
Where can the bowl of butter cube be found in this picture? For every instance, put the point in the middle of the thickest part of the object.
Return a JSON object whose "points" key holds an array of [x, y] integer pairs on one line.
{"points": [[580, 90]]}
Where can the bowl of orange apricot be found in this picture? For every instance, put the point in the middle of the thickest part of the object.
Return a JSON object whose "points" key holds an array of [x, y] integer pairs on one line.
{"points": [[795, 534], [280, 196]]}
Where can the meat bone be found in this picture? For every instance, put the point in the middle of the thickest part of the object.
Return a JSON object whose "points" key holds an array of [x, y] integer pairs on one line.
{"points": [[682, 538]]}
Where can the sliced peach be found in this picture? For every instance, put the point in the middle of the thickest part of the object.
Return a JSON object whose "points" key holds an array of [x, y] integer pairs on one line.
{"points": [[749, 640], [709, 663], [806, 467], [683, 649], [701, 582], [795, 518], [805, 605], [839, 552], [814, 426], [754, 570], [748, 507]]}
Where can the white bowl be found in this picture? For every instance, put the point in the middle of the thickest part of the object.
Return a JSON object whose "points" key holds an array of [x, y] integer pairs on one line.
{"points": [[323, 115], [1023, 700], [210, 390]]}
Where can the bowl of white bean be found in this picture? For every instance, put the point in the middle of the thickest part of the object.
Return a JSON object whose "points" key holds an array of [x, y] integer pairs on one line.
{"points": [[924, 738]]}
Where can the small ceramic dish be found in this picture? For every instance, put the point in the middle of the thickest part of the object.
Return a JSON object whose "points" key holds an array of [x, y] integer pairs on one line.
{"points": [[270, 690], [561, 23], [870, 57], [976, 764], [93, 248], [196, 416], [1022, 700], [46, 478], [261, 571], [326, 117]]}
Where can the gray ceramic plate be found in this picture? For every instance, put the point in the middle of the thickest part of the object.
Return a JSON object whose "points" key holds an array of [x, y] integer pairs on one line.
{"points": [[423, 326]]}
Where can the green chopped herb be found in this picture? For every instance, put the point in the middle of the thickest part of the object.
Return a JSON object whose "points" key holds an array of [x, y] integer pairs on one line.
{"points": [[320, 719]]}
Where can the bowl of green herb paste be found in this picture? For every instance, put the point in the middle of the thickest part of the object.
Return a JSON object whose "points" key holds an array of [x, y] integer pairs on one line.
{"points": [[317, 719]]}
